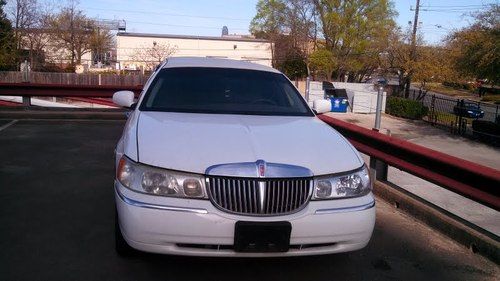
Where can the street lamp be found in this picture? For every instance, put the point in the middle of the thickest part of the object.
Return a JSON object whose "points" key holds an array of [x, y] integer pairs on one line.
{"points": [[381, 82]]}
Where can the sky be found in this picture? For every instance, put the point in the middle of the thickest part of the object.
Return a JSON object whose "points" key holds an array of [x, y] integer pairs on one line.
{"points": [[206, 17]]}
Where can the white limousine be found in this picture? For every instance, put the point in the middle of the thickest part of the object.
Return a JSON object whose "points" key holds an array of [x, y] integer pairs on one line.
{"points": [[225, 158]]}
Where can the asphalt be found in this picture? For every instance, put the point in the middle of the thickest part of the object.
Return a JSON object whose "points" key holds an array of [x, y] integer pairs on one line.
{"points": [[57, 214]]}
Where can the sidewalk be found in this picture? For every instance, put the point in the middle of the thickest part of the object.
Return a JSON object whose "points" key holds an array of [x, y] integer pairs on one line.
{"points": [[424, 134]]}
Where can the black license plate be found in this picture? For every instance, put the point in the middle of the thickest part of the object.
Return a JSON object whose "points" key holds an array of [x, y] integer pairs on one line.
{"points": [[258, 237]]}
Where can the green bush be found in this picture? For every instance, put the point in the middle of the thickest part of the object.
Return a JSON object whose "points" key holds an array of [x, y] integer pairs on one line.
{"points": [[406, 108]]}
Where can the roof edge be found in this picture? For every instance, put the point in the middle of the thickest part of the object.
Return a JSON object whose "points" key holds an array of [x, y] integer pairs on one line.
{"points": [[194, 37]]}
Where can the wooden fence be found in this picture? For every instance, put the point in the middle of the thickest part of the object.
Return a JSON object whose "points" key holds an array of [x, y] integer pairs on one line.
{"points": [[72, 78]]}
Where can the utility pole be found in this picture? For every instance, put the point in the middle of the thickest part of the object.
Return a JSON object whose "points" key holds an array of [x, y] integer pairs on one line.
{"points": [[415, 25], [413, 54], [378, 113]]}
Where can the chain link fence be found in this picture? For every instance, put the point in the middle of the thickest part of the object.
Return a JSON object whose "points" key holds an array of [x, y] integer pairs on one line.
{"points": [[474, 119]]}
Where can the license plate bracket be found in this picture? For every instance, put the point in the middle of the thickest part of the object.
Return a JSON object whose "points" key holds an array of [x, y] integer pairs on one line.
{"points": [[262, 237]]}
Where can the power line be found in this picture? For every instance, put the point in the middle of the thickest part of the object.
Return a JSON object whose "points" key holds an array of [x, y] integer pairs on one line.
{"points": [[458, 6], [448, 10], [167, 14], [187, 26], [443, 10]]}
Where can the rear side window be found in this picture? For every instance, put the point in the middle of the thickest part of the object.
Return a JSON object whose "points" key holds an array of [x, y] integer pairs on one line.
{"points": [[223, 91]]}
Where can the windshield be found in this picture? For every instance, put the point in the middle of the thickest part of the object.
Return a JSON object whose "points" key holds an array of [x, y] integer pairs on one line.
{"points": [[223, 91]]}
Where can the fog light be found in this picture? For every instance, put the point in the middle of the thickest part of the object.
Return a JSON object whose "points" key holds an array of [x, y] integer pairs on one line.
{"points": [[323, 189], [192, 188]]}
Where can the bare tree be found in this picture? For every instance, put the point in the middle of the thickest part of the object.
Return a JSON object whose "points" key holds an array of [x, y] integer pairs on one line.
{"points": [[23, 15], [290, 25], [151, 56], [101, 42], [71, 30]]}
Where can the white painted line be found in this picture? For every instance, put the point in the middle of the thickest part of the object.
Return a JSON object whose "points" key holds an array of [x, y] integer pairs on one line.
{"points": [[8, 125]]}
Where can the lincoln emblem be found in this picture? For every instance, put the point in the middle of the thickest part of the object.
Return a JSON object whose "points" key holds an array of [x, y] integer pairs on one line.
{"points": [[261, 168]]}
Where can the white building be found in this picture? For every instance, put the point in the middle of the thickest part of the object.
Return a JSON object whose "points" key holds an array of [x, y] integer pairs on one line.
{"points": [[232, 47]]}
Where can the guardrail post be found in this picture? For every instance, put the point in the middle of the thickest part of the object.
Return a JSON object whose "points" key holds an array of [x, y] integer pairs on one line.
{"points": [[433, 110], [308, 84], [379, 169], [26, 100], [26, 72]]}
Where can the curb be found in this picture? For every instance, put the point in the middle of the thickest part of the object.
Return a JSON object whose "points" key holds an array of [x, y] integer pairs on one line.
{"points": [[476, 239]]}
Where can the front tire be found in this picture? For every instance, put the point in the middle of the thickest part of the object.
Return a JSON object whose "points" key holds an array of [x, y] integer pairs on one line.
{"points": [[122, 248]]}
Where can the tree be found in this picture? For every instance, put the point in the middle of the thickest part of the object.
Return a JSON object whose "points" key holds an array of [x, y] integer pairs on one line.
{"points": [[24, 16], [151, 56], [294, 66], [29, 20], [477, 47], [71, 30], [354, 31], [431, 63], [434, 64], [397, 58], [101, 42], [7, 41], [270, 19], [269, 23], [289, 59], [289, 24], [322, 63]]}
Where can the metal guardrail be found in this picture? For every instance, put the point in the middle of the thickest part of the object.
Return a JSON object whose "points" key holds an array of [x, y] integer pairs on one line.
{"points": [[28, 90], [471, 180], [474, 181]]}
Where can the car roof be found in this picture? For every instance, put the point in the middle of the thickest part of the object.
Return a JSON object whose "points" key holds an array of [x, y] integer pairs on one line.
{"points": [[215, 62]]}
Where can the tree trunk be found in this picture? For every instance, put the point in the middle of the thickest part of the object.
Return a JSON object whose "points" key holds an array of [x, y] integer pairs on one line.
{"points": [[407, 86]]}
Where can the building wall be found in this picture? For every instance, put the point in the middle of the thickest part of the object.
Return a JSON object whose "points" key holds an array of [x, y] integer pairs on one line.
{"points": [[254, 51]]}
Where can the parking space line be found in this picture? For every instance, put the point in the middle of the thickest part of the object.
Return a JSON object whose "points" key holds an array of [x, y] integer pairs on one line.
{"points": [[8, 125]]}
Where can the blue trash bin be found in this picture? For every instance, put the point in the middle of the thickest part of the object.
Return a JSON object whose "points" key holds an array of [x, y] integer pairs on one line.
{"points": [[339, 104]]}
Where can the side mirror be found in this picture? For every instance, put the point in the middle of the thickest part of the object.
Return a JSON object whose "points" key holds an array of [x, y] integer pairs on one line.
{"points": [[322, 106], [124, 98]]}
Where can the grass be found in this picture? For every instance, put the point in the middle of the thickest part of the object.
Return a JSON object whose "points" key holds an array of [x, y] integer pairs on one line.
{"points": [[445, 118], [449, 91], [452, 92], [491, 98]]}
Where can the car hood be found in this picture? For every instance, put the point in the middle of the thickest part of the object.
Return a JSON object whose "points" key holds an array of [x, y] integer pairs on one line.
{"points": [[193, 142]]}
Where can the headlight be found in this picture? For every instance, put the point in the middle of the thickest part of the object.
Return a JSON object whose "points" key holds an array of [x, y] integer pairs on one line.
{"points": [[158, 181], [354, 184]]}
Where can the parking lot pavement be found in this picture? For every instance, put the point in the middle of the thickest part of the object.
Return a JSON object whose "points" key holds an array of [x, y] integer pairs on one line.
{"points": [[57, 212]]}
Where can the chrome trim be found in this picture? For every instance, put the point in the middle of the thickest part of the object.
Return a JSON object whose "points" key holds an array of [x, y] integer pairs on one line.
{"points": [[252, 170], [261, 197], [140, 204], [346, 209]]}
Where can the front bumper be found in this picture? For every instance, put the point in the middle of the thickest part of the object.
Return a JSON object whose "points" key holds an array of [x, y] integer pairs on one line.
{"points": [[195, 227]]}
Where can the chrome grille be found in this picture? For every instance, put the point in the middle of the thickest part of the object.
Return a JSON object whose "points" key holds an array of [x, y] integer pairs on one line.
{"points": [[257, 196]]}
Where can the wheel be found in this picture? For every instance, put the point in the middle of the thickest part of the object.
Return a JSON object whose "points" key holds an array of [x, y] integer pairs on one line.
{"points": [[122, 248]]}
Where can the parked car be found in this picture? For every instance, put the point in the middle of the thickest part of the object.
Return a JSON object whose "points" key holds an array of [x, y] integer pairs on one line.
{"points": [[225, 158], [469, 110]]}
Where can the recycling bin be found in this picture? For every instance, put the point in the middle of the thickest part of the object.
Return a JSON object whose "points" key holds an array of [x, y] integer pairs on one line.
{"points": [[339, 104]]}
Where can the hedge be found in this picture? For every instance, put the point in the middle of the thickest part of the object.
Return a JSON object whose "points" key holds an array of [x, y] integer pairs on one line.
{"points": [[486, 127], [406, 108]]}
